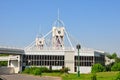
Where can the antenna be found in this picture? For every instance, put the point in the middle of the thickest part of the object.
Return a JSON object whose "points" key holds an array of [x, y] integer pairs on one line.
{"points": [[58, 14], [39, 31], [58, 22], [58, 17]]}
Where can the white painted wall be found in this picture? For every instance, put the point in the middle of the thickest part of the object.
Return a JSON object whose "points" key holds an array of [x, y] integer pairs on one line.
{"points": [[56, 67], [69, 60], [85, 69]]}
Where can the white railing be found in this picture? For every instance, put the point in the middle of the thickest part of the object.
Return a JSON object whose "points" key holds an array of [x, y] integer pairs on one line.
{"points": [[49, 49], [9, 47]]}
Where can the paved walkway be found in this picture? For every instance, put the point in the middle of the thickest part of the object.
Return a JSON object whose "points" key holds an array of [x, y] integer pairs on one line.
{"points": [[27, 77]]}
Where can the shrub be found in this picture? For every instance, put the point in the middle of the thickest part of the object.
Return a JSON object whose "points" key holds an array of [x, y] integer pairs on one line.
{"points": [[94, 76], [55, 71], [3, 63], [40, 70], [118, 76], [64, 70], [27, 70], [97, 68], [33, 70], [44, 69], [37, 72], [116, 67]]}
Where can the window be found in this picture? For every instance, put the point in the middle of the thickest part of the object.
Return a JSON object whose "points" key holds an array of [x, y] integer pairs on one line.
{"points": [[84, 60], [44, 60]]}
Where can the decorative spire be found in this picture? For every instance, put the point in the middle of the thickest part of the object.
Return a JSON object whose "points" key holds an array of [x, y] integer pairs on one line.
{"points": [[58, 15], [39, 35], [58, 22], [58, 19]]}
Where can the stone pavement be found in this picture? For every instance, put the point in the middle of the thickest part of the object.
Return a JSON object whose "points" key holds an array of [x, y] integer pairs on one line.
{"points": [[27, 77]]}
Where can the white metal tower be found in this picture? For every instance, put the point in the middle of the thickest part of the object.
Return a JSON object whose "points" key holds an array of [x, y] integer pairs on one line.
{"points": [[56, 39]]}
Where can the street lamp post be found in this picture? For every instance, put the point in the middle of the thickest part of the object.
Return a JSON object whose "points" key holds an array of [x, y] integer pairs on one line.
{"points": [[78, 47]]}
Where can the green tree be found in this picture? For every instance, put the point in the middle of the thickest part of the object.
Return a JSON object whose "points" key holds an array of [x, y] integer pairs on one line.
{"points": [[116, 67], [97, 68], [114, 56], [117, 60], [111, 56]]}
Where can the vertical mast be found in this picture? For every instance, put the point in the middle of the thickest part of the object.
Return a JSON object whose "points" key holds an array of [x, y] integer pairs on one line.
{"points": [[58, 18]]}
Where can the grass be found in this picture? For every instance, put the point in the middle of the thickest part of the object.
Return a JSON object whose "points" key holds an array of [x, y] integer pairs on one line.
{"points": [[100, 76], [106, 75]]}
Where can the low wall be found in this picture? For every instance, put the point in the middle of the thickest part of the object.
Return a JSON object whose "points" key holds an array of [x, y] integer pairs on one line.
{"points": [[6, 70]]}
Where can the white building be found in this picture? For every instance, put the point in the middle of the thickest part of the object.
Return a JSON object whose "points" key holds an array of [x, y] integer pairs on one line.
{"points": [[56, 50]]}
